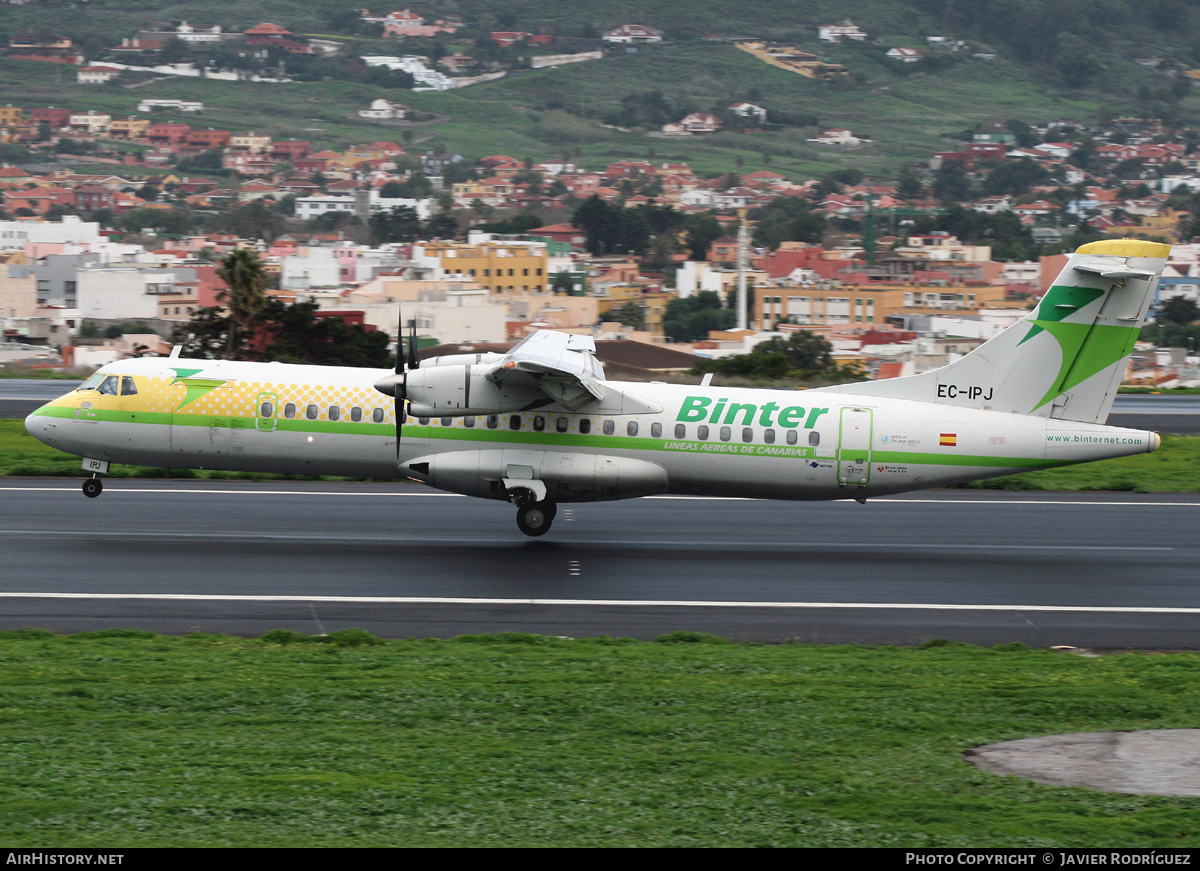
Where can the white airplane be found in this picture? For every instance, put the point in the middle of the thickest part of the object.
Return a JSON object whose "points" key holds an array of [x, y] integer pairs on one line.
{"points": [[540, 425]]}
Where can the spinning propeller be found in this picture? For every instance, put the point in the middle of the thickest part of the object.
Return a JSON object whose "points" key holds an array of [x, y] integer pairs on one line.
{"points": [[396, 385]]}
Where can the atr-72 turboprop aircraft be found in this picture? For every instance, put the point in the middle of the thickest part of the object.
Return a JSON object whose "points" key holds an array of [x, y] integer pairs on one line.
{"points": [[540, 425]]}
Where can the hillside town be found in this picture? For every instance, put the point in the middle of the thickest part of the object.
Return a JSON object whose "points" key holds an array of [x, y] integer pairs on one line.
{"points": [[896, 275]]}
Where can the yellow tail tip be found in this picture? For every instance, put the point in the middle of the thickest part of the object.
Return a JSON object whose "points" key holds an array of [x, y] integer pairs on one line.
{"points": [[1126, 248]]}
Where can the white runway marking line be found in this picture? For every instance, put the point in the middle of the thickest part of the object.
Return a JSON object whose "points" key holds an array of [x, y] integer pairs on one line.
{"points": [[622, 603], [394, 538], [117, 489]]}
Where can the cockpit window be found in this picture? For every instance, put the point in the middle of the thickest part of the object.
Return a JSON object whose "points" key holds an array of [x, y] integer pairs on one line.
{"points": [[92, 383], [128, 387], [108, 386]]}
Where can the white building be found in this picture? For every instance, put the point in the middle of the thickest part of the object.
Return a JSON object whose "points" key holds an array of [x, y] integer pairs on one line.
{"points": [[96, 75], [71, 230], [110, 293], [308, 208], [749, 110], [629, 34], [177, 105], [838, 32], [383, 110], [415, 66], [319, 268], [189, 33], [92, 121]]}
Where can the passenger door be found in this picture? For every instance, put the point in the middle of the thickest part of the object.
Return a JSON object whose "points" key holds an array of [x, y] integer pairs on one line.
{"points": [[854, 446]]}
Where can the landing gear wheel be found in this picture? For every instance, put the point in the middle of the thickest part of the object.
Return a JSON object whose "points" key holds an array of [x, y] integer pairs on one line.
{"points": [[92, 487], [534, 518]]}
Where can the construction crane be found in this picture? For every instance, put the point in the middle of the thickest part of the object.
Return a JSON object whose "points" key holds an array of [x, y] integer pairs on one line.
{"points": [[869, 222]]}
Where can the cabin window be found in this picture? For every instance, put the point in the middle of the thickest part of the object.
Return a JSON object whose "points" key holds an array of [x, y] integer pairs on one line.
{"points": [[493, 421], [769, 436], [514, 422], [560, 424], [609, 427], [424, 421], [447, 421], [726, 433], [631, 428], [377, 415], [128, 388], [108, 386], [311, 412], [266, 409], [791, 437], [680, 431], [702, 433], [585, 425], [289, 410], [814, 438], [335, 412], [747, 434], [356, 414], [469, 420], [656, 430], [539, 422]]}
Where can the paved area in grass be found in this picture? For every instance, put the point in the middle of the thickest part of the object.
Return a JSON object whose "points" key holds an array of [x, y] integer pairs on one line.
{"points": [[1155, 762]]}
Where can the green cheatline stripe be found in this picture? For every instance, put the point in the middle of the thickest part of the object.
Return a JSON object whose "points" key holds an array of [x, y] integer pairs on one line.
{"points": [[920, 459], [551, 439]]}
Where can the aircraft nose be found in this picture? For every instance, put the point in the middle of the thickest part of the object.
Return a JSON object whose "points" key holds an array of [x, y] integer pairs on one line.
{"points": [[38, 426]]}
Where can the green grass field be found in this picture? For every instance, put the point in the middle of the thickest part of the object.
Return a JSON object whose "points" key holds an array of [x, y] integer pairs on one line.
{"points": [[534, 741], [1174, 468]]}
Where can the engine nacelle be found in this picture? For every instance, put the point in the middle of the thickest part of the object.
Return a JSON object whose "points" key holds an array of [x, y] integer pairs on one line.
{"points": [[454, 390], [567, 477]]}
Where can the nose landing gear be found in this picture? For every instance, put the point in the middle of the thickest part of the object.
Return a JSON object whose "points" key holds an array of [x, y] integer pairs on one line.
{"points": [[92, 487]]}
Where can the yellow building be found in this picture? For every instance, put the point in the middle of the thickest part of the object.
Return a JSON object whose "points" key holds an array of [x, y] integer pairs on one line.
{"points": [[863, 304], [502, 267], [653, 304], [251, 142], [10, 115], [128, 128], [1164, 225]]}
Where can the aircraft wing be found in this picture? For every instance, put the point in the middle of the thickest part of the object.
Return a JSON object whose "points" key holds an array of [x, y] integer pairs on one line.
{"points": [[564, 367]]}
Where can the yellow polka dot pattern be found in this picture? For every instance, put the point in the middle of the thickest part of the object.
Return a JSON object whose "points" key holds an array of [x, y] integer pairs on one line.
{"points": [[241, 398]]}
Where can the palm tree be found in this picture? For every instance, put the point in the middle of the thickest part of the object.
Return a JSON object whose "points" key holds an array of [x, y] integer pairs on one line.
{"points": [[245, 275]]}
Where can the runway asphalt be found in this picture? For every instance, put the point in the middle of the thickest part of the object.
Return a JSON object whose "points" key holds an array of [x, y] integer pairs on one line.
{"points": [[1097, 571]]}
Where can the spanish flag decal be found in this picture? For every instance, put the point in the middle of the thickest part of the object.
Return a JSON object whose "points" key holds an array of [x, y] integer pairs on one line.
{"points": [[949, 440]]}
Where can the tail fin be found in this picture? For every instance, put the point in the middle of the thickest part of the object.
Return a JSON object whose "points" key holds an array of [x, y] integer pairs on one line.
{"points": [[1065, 359]]}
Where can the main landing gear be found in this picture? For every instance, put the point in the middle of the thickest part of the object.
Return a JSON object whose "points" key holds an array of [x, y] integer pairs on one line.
{"points": [[533, 517], [92, 487]]}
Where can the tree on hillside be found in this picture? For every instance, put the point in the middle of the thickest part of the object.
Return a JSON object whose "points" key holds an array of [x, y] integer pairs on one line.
{"points": [[909, 184], [690, 319], [245, 277], [786, 219], [296, 334], [1178, 310], [700, 231], [612, 229], [951, 182], [397, 224], [287, 333], [802, 355], [253, 220]]}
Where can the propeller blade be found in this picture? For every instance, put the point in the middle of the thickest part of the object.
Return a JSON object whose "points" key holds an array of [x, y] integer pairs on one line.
{"points": [[401, 391], [414, 362]]}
